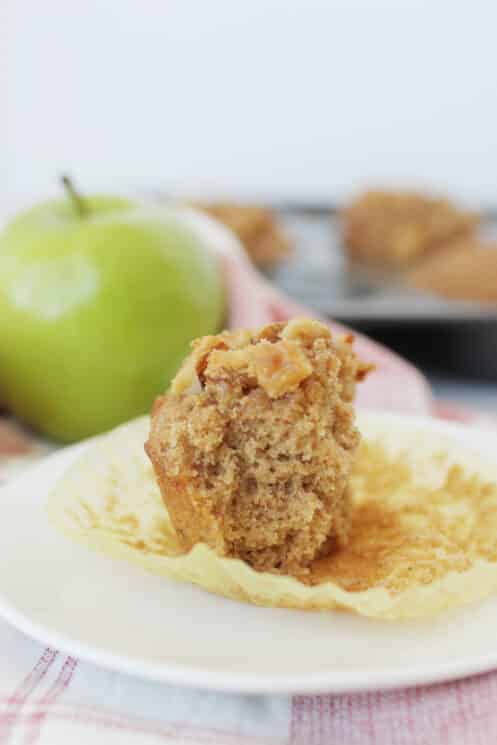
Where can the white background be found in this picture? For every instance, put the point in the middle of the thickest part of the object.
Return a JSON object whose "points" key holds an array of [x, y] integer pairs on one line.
{"points": [[291, 98]]}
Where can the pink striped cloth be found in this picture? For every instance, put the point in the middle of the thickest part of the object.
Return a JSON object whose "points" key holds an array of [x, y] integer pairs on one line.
{"points": [[49, 698]]}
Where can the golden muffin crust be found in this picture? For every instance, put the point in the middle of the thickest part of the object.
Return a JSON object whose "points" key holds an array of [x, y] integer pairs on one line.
{"points": [[253, 444], [397, 228], [468, 271], [257, 228]]}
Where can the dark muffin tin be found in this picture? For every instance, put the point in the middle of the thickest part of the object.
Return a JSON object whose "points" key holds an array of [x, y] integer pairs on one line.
{"points": [[455, 337]]}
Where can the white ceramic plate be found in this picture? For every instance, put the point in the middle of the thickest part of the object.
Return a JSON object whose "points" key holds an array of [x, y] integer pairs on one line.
{"points": [[119, 617]]}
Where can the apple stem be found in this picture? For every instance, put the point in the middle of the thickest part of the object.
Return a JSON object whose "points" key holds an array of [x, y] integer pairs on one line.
{"points": [[80, 205]]}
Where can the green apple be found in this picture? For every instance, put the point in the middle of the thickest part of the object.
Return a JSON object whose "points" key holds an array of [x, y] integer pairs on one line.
{"points": [[99, 300]]}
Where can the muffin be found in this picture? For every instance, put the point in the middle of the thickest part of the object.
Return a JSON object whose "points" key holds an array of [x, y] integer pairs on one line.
{"points": [[397, 228], [468, 271], [257, 228], [253, 444]]}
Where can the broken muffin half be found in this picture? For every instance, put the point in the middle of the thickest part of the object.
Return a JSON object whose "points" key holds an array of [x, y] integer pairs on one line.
{"points": [[253, 444]]}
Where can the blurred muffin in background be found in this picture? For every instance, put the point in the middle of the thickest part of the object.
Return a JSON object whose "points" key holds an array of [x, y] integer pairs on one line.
{"points": [[257, 228], [468, 271], [396, 228]]}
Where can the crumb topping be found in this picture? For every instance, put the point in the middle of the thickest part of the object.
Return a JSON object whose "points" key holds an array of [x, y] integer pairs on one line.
{"points": [[396, 228]]}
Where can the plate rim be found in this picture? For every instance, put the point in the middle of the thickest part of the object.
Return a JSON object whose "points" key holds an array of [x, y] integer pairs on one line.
{"points": [[247, 683]]}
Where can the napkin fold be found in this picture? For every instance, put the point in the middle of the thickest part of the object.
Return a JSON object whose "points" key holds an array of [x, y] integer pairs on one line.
{"points": [[50, 698]]}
